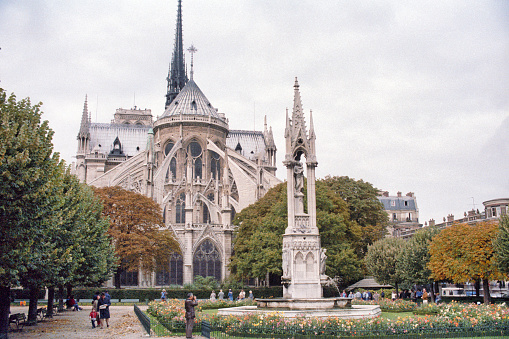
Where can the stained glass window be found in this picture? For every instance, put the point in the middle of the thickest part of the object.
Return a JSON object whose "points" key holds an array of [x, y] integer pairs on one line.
{"points": [[168, 147], [171, 274], [207, 261]]}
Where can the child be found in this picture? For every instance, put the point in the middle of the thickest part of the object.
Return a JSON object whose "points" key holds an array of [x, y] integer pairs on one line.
{"points": [[93, 317]]}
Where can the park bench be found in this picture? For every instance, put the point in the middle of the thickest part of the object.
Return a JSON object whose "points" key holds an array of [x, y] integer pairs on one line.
{"points": [[19, 319], [114, 300], [41, 313], [130, 300]]}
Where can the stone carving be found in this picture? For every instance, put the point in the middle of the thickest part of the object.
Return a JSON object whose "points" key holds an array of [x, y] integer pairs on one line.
{"points": [[323, 258], [298, 173]]}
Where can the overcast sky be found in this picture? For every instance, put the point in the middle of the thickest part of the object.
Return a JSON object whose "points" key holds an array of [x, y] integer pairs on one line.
{"points": [[407, 95]]}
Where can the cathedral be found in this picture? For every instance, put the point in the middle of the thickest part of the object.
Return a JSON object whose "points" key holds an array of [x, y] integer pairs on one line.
{"points": [[190, 162]]}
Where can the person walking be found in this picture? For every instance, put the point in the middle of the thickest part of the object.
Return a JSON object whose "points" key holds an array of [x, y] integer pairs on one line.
{"points": [[93, 317], [221, 295], [424, 296], [163, 295], [95, 307], [230, 294], [104, 310], [213, 296], [189, 304]]}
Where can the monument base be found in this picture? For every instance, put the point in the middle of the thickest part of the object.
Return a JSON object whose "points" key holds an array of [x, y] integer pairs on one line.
{"points": [[304, 304], [357, 311]]}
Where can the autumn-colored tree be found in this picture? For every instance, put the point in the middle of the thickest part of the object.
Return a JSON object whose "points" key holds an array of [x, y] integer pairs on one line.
{"points": [[136, 226], [383, 260], [463, 252]]}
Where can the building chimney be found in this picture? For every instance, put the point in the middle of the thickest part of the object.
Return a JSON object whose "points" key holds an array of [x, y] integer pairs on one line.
{"points": [[386, 194], [450, 218], [399, 194], [410, 194]]}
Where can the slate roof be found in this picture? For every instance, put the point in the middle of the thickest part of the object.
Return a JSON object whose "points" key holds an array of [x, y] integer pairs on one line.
{"points": [[132, 137], [402, 203], [252, 142], [191, 100]]}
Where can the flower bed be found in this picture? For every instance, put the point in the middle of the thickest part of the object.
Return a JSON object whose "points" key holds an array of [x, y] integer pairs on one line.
{"points": [[387, 305], [451, 318]]}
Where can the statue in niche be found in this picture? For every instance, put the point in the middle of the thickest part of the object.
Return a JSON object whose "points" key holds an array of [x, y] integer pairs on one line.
{"points": [[298, 174], [286, 263], [298, 177], [323, 258]]}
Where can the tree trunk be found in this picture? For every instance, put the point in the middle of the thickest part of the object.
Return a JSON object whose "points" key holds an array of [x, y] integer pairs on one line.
{"points": [[397, 293], [432, 293], [51, 297], [32, 308], [477, 286], [69, 291], [117, 278], [5, 307], [486, 290], [60, 298]]}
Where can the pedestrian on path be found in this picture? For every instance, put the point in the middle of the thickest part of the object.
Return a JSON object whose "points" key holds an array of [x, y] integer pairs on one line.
{"points": [[95, 307], [189, 304], [93, 317], [104, 310]]}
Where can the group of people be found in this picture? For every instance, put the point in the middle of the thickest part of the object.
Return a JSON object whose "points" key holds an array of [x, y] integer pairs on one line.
{"points": [[220, 295], [100, 309], [414, 294], [72, 303]]}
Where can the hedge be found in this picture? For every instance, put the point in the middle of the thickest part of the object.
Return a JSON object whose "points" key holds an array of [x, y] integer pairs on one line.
{"points": [[180, 293], [25, 293]]}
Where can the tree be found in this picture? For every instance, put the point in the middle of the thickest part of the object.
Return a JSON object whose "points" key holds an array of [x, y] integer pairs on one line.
{"points": [[137, 230], [383, 260], [258, 238], [82, 233], [365, 208], [463, 252], [30, 175], [414, 260], [501, 245]]}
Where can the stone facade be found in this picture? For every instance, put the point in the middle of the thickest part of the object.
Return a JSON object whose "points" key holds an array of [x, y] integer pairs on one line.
{"points": [[185, 161]]}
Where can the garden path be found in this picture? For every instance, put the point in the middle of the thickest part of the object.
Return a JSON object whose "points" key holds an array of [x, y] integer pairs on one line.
{"points": [[73, 325]]}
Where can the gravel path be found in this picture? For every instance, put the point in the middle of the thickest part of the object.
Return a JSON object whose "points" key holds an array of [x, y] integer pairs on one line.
{"points": [[123, 324]]}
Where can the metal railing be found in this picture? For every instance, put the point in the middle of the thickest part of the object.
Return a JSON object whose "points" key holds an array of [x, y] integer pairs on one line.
{"points": [[207, 330], [143, 318]]}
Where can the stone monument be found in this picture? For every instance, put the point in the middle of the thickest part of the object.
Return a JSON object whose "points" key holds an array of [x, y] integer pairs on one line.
{"points": [[303, 257]]}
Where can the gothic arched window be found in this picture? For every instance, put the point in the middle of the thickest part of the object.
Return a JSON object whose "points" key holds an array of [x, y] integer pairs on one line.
{"points": [[215, 168], [173, 168], [195, 150], [180, 206], [197, 168], [171, 274], [207, 261], [206, 214], [168, 147]]}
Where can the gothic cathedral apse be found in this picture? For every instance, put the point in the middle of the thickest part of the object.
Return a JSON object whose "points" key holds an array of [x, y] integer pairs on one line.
{"points": [[189, 161]]}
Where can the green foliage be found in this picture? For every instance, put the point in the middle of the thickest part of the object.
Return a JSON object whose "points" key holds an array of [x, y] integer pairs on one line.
{"points": [[501, 245], [201, 283], [382, 260], [30, 191], [414, 260], [258, 239]]}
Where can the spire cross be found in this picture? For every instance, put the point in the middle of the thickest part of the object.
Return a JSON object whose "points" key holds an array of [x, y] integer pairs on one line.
{"points": [[192, 50]]}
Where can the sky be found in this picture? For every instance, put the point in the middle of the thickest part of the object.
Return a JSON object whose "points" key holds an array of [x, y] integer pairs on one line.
{"points": [[411, 96]]}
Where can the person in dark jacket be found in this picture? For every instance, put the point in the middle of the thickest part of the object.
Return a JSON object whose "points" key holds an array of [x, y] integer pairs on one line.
{"points": [[189, 304]]}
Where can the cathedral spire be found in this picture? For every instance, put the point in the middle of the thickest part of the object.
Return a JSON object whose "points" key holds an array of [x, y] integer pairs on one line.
{"points": [[297, 114], [177, 75], [84, 119]]}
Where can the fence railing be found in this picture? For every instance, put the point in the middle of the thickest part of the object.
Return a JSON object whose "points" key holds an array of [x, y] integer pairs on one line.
{"points": [[208, 330], [143, 318]]}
